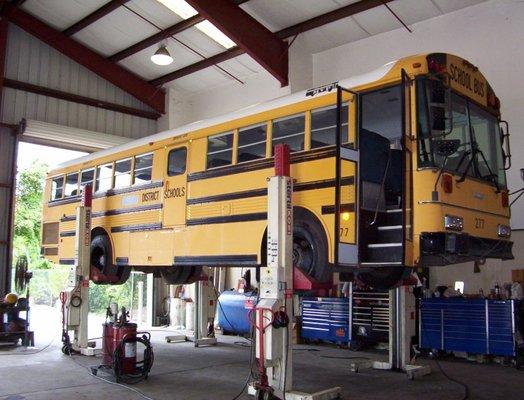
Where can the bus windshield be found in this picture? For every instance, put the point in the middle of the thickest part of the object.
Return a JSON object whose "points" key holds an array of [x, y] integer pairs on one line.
{"points": [[479, 154]]}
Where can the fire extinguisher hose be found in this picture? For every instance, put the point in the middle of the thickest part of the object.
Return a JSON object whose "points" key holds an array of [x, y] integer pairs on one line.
{"points": [[142, 367]]}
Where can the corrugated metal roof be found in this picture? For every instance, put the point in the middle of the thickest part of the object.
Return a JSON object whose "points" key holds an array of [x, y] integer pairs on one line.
{"points": [[138, 19]]}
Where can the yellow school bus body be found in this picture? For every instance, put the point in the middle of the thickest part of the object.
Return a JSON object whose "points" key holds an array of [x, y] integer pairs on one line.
{"points": [[161, 225]]}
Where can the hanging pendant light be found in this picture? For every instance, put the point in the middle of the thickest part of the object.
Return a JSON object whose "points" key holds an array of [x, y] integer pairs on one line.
{"points": [[162, 56]]}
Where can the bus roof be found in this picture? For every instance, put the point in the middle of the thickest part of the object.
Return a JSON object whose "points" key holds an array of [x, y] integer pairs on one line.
{"points": [[352, 82]]}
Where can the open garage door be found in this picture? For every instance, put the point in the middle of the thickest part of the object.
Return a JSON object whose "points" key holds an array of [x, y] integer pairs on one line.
{"points": [[8, 150], [69, 138]]}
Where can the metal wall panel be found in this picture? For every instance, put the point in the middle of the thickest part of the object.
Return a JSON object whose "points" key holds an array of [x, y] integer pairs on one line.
{"points": [[30, 60], [8, 144]]}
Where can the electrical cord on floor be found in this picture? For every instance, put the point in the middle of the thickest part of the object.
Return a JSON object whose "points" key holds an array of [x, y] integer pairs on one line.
{"points": [[141, 394], [449, 378], [28, 353]]}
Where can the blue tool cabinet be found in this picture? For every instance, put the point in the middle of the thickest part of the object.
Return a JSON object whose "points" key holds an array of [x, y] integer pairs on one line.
{"points": [[325, 318], [469, 325]]}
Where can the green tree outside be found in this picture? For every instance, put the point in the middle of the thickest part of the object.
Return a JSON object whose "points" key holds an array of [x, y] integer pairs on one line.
{"points": [[49, 279]]}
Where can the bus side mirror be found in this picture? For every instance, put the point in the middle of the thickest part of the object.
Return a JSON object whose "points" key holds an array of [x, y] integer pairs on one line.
{"points": [[506, 149], [440, 108], [438, 92]]}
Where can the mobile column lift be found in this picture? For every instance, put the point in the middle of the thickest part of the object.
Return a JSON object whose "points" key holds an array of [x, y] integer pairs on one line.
{"points": [[272, 315], [75, 300]]}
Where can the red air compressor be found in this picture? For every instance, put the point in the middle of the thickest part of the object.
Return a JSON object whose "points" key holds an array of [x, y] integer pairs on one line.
{"points": [[119, 348]]}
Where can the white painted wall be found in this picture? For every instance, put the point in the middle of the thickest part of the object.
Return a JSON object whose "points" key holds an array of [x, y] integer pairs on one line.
{"points": [[32, 61], [488, 35]]}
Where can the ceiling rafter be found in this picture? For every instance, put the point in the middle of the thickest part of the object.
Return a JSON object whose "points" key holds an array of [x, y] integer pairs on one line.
{"points": [[312, 23], [75, 98], [250, 35], [164, 34], [113, 73], [107, 8]]}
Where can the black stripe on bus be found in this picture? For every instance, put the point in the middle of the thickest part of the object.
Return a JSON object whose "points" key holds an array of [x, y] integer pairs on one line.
{"points": [[139, 227], [130, 189], [67, 200], [117, 211], [122, 261], [228, 218], [66, 261], [248, 259], [263, 192], [349, 207], [67, 233], [261, 164]]}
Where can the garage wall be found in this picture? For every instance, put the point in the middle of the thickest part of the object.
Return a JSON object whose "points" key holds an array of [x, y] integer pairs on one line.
{"points": [[8, 148], [32, 61], [488, 35]]}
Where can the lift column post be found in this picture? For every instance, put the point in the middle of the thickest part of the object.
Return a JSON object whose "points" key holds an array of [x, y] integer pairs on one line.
{"points": [[273, 314], [77, 293]]}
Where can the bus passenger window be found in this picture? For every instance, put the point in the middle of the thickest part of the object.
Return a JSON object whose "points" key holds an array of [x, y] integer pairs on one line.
{"points": [[71, 185], [324, 126], [219, 150], [289, 130], [123, 173], [57, 188], [104, 177], [86, 177], [143, 169], [252, 143], [176, 161]]}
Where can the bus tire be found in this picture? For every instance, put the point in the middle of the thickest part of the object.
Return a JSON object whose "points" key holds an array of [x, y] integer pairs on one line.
{"points": [[181, 275], [102, 262], [310, 249]]}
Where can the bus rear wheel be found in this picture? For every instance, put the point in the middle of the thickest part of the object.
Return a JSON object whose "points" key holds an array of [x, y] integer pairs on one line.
{"points": [[181, 275], [103, 271]]}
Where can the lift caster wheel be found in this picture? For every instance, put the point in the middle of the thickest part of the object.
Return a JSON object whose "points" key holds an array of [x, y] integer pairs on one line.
{"points": [[261, 394], [94, 371]]}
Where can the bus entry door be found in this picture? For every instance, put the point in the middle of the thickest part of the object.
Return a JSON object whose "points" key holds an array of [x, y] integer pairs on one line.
{"points": [[346, 251], [174, 192]]}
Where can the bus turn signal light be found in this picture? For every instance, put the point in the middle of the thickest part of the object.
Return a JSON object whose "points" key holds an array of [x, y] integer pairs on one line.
{"points": [[447, 183], [345, 216], [504, 197]]}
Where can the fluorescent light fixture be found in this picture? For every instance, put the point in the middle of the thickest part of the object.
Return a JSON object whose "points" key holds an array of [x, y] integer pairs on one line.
{"points": [[180, 8], [162, 56], [185, 11], [214, 33]]}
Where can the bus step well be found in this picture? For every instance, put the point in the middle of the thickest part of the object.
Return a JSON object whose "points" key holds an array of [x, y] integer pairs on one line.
{"points": [[386, 247]]}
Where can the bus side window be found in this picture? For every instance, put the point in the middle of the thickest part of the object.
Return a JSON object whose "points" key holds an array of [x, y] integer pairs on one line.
{"points": [[104, 177], [86, 177], [176, 161], [219, 150], [57, 188], [143, 169], [123, 173], [252, 142], [324, 126], [71, 185], [290, 130]]}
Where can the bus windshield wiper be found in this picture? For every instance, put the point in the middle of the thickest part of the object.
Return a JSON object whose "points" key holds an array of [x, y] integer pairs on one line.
{"points": [[475, 152]]}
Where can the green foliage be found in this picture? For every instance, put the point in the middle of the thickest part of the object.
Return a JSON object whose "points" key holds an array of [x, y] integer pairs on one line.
{"points": [[101, 295], [28, 214], [48, 279]]}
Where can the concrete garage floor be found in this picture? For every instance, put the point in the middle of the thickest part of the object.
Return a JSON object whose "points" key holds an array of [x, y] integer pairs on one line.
{"points": [[182, 372]]}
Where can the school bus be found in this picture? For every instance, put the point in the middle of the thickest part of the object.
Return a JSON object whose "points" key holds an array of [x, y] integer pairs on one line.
{"points": [[405, 163]]}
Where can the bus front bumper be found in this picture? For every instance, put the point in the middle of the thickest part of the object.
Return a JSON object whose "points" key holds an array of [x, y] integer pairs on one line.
{"points": [[445, 248]]}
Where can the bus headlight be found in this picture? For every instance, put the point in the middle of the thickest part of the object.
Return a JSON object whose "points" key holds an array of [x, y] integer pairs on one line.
{"points": [[453, 223], [504, 231]]}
